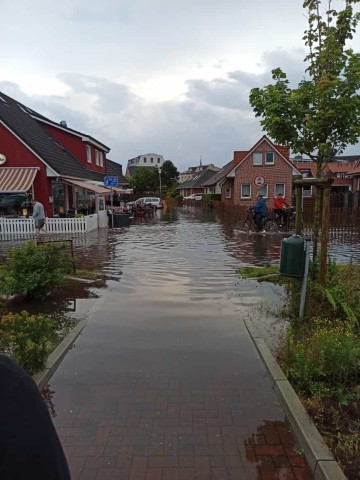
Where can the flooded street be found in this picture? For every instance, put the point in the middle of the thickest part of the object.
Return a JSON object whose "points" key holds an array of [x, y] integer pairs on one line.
{"points": [[164, 382]]}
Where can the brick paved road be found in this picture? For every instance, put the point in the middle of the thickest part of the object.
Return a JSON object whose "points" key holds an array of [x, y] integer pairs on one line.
{"points": [[139, 402]]}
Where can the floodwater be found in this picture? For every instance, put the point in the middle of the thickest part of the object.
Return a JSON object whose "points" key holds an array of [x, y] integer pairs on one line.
{"points": [[179, 245]]}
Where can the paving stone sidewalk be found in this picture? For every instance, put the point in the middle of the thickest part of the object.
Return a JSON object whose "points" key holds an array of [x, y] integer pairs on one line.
{"points": [[150, 400]]}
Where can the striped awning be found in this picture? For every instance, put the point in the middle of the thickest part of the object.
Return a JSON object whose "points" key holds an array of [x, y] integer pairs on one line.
{"points": [[86, 185], [17, 179]]}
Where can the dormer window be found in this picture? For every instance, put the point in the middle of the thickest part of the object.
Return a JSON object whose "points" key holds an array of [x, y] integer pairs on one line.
{"points": [[88, 153], [269, 158]]}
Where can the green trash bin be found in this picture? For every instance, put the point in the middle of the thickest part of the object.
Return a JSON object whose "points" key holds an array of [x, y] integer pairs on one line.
{"points": [[292, 259]]}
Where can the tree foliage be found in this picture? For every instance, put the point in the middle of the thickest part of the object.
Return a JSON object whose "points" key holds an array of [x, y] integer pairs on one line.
{"points": [[321, 116], [145, 179], [169, 174]]}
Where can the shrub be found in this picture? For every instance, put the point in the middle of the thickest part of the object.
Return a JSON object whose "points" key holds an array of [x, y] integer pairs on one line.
{"points": [[324, 358], [34, 270], [27, 338]]}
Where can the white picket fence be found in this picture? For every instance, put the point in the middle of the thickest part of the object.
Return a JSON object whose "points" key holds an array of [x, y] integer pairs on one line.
{"points": [[24, 227]]}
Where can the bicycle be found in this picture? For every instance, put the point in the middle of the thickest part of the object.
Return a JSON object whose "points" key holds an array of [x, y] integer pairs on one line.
{"points": [[249, 225], [289, 224]]}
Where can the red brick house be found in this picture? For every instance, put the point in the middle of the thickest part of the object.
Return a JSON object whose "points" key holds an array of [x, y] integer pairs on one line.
{"points": [[265, 170], [61, 167], [354, 174], [341, 172]]}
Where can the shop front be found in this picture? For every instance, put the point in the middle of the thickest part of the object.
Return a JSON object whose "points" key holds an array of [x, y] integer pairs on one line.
{"points": [[77, 198]]}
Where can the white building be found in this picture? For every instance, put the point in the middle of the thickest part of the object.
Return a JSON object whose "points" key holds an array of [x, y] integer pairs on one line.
{"points": [[146, 160]]}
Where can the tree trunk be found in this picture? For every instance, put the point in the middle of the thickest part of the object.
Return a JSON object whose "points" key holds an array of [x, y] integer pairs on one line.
{"points": [[317, 218], [324, 234]]}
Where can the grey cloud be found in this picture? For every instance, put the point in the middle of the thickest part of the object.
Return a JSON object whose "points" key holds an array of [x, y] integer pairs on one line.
{"points": [[118, 13], [105, 95], [13, 90], [291, 62], [225, 93], [233, 91]]}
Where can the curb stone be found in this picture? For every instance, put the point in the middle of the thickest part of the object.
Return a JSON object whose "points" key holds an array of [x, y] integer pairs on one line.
{"points": [[321, 461], [57, 355]]}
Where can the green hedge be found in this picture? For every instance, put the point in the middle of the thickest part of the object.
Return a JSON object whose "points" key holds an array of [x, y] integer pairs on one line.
{"points": [[208, 197], [34, 270]]}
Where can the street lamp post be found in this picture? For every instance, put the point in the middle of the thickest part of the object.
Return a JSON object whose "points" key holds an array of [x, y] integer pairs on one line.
{"points": [[159, 170]]}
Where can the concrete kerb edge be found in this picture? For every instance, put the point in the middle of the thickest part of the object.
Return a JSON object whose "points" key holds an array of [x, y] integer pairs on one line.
{"points": [[317, 454], [57, 355]]}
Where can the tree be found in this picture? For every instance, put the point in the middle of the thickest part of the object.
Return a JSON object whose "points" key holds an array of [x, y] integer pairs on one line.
{"points": [[321, 116], [169, 174], [145, 179]]}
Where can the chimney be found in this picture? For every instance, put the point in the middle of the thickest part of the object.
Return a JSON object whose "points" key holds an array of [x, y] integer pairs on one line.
{"points": [[63, 123]]}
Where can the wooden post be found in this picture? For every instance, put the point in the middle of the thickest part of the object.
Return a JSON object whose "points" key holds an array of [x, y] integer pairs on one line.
{"points": [[324, 233], [298, 193]]}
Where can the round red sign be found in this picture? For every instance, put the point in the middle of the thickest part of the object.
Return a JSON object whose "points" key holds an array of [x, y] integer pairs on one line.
{"points": [[259, 181]]}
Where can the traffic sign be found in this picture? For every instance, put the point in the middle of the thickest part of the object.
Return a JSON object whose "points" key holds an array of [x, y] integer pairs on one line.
{"points": [[259, 181], [111, 181]]}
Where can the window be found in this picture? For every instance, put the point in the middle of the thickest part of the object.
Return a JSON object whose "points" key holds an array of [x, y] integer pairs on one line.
{"points": [[144, 160], [245, 190], [158, 160], [101, 159], [88, 153], [228, 193], [257, 158], [307, 191], [269, 158], [97, 157], [263, 191], [279, 188], [151, 160], [306, 173]]}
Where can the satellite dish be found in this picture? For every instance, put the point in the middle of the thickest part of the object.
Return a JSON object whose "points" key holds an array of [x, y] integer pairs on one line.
{"points": [[2, 159]]}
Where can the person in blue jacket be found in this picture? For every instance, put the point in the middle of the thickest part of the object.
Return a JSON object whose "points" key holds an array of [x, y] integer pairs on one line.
{"points": [[260, 211]]}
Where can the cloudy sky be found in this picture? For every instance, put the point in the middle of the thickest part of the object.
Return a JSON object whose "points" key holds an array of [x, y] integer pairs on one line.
{"points": [[162, 76]]}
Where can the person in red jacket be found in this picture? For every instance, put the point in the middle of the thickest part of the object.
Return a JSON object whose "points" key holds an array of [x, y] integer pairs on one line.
{"points": [[280, 206]]}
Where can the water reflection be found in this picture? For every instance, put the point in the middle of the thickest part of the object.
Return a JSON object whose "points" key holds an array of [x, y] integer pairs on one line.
{"points": [[274, 450]]}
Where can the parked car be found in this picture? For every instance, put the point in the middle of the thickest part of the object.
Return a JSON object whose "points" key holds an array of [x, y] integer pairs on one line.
{"points": [[194, 196], [155, 201], [12, 203]]}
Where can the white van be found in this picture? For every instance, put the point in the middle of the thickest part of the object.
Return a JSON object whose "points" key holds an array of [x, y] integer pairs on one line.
{"points": [[155, 201]]}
